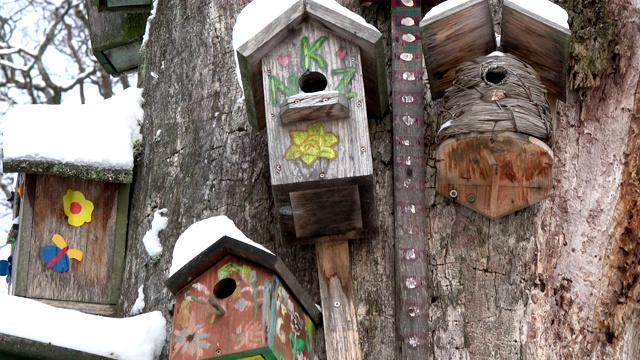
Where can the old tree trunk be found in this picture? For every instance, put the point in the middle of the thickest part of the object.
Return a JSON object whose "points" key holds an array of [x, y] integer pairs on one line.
{"points": [[559, 280]]}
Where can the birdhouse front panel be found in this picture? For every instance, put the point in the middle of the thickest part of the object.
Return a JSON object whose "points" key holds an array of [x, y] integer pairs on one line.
{"points": [[239, 310], [319, 147], [68, 247]]}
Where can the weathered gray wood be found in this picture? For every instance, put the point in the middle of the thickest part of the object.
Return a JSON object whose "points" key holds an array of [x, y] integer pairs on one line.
{"points": [[89, 308], [69, 170], [116, 37], [125, 5], [17, 348], [366, 38], [314, 106], [338, 308], [459, 34], [540, 43]]}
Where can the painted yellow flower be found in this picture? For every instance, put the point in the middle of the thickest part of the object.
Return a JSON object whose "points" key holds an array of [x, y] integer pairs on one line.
{"points": [[311, 144], [77, 208]]}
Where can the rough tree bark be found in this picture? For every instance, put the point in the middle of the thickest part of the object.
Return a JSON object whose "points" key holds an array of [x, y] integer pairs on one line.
{"points": [[559, 280]]}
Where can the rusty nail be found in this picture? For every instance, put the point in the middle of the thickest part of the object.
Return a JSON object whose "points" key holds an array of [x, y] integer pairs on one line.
{"points": [[297, 101], [363, 149], [218, 351], [278, 167], [453, 193], [359, 103], [471, 198], [325, 99], [273, 116]]}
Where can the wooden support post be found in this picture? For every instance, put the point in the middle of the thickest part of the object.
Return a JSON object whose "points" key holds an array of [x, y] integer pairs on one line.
{"points": [[338, 310]]}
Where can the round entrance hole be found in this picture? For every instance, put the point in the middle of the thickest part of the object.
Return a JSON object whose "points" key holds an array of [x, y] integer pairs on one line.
{"points": [[496, 75], [224, 288], [312, 81]]}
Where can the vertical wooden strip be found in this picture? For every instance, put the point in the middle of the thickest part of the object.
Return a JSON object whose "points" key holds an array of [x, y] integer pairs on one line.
{"points": [[338, 310], [409, 177]]}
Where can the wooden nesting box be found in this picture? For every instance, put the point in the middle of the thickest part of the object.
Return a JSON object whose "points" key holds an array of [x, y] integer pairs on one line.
{"points": [[74, 201], [237, 301], [496, 115], [310, 77], [116, 37]]}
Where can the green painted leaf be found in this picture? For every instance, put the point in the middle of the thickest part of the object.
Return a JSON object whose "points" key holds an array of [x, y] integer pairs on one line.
{"points": [[308, 159], [298, 136], [316, 129], [293, 152], [350, 95], [328, 153], [329, 139]]}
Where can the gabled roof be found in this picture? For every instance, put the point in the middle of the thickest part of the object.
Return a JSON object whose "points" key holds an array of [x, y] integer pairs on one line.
{"points": [[367, 38], [230, 246]]}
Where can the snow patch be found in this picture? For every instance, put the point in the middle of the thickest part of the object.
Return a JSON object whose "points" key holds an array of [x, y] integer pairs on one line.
{"points": [[99, 135], [138, 306], [495, 53], [135, 338], [152, 16], [202, 234], [151, 240], [444, 6]]}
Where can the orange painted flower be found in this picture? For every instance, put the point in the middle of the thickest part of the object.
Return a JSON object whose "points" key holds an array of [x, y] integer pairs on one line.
{"points": [[77, 208]]}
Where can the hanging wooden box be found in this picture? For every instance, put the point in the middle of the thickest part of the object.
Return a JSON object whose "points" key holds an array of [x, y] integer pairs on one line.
{"points": [[304, 79], [235, 301], [116, 38]]}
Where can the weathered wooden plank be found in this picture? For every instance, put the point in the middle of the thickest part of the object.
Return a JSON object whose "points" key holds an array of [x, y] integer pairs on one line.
{"points": [[32, 166], [120, 242], [315, 106], [540, 43], [495, 175], [18, 348], [88, 280], [459, 34], [409, 171], [336, 292], [95, 309], [125, 5]]}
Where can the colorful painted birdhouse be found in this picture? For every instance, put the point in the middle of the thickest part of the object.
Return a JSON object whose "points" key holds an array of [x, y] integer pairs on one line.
{"points": [[311, 76], [116, 37], [74, 200], [496, 114], [237, 301]]}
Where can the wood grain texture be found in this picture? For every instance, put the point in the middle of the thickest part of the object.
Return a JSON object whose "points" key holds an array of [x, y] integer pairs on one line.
{"points": [[459, 34], [314, 106], [89, 280], [18, 348], [336, 291], [70, 170], [542, 44], [495, 175], [367, 39], [89, 308], [125, 5]]}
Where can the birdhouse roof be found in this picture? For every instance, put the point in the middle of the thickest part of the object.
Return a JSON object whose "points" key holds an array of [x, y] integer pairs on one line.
{"points": [[335, 19], [87, 141], [242, 249]]}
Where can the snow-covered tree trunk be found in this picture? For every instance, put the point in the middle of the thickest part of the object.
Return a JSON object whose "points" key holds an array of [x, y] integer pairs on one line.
{"points": [[557, 280]]}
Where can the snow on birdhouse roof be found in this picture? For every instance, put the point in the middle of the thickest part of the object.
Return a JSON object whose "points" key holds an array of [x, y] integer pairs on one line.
{"points": [[208, 241], [263, 24], [90, 141], [136, 338]]}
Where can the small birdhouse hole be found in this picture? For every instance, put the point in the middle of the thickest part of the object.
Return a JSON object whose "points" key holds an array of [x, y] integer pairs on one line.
{"points": [[495, 75], [312, 81], [224, 288]]}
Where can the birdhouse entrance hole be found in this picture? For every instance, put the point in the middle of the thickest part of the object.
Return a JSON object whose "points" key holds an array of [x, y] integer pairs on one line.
{"points": [[312, 81], [224, 288], [495, 75]]}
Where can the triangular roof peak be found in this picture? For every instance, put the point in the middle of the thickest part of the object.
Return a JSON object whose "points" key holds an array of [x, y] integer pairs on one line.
{"points": [[336, 19]]}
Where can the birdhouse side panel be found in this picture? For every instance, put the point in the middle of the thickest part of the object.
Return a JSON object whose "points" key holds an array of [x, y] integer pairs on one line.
{"points": [[238, 309], [71, 239], [313, 63]]}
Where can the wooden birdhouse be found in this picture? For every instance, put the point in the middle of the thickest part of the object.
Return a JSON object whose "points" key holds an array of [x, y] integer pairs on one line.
{"points": [[74, 201], [311, 76], [492, 156], [238, 301], [125, 5], [116, 37]]}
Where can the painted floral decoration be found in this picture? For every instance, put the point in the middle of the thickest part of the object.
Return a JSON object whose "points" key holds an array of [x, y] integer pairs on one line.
{"points": [[311, 144], [193, 338], [77, 208]]}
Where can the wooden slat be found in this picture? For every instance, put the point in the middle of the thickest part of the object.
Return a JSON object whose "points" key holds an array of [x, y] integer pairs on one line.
{"points": [[18, 348], [315, 106], [336, 292], [95, 309], [36, 166], [459, 34], [542, 44], [409, 172]]}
